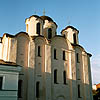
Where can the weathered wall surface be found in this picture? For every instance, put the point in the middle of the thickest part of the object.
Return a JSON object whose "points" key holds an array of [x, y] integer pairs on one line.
{"points": [[23, 49], [60, 89], [22, 59], [31, 27], [48, 25]]}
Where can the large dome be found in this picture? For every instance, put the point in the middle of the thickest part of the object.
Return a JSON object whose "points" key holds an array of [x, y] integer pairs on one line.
{"points": [[46, 18]]}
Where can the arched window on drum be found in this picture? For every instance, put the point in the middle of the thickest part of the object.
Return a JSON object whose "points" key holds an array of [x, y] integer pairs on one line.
{"points": [[49, 33], [38, 28]]}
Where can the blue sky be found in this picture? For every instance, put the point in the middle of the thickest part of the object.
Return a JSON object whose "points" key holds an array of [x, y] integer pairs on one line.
{"points": [[82, 14]]}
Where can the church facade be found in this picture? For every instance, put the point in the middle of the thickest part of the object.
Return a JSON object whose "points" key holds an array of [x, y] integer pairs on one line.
{"points": [[54, 67]]}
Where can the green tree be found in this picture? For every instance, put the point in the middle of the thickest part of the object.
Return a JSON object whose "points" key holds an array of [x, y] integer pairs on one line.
{"points": [[96, 94]]}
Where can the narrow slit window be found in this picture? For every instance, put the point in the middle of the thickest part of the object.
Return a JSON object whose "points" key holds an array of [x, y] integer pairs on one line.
{"points": [[77, 57], [79, 96], [37, 89], [20, 89], [49, 33], [64, 77], [74, 38], [55, 54], [55, 76], [39, 51], [38, 28], [64, 56], [1, 82]]}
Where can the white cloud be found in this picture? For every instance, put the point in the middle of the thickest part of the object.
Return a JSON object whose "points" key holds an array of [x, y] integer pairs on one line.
{"points": [[95, 68]]}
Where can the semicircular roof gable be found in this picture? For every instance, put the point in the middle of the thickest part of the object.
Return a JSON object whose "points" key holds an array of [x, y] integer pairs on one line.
{"points": [[22, 33], [40, 36]]}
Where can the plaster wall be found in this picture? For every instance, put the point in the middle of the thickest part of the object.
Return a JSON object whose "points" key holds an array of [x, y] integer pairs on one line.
{"points": [[79, 73], [31, 71], [87, 78], [69, 35], [73, 82], [12, 50], [10, 82], [40, 67], [90, 79], [22, 59], [23, 50], [5, 48], [61, 66], [48, 92]]}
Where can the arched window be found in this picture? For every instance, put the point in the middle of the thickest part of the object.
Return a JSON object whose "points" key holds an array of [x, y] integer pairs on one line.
{"points": [[49, 33], [55, 76], [38, 28], [64, 77], [37, 89], [74, 38]]}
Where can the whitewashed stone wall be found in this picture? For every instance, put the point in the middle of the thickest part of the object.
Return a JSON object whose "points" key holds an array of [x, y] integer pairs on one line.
{"points": [[46, 26], [23, 49], [31, 26]]}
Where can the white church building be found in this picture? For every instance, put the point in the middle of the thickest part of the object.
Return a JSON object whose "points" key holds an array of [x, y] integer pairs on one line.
{"points": [[54, 67]]}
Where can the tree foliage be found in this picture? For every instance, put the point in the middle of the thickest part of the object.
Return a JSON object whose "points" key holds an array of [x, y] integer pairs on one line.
{"points": [[96, 94]]}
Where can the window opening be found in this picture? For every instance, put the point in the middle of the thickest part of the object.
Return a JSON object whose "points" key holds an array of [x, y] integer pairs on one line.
{"points": [[39, 50], [79, 91], [55, 54], [38, 28], [74, 37], [77, 57], [55, 76], [64, 77], [63, 55], [37, 89], [1, 82], [49, 33], [19, 88]]}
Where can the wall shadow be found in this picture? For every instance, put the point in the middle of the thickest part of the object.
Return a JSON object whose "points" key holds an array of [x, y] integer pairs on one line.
{"points": [[48, 90]]}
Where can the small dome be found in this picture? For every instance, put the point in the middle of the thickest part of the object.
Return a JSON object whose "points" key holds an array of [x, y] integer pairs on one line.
{"points": [[46, 18], [71, 28], [34, 16]]}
